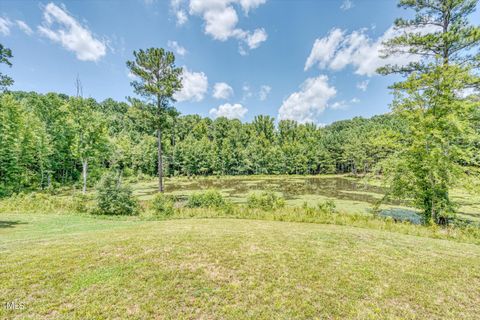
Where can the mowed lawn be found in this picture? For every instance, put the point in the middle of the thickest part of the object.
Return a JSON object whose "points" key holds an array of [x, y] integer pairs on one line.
{"points": [[74, 267]]}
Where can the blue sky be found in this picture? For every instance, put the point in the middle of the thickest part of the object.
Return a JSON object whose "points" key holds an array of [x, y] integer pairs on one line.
{"points": [[311, 61]]}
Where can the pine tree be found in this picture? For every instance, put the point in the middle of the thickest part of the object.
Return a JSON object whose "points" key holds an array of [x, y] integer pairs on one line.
{"points": [[440, 131]]}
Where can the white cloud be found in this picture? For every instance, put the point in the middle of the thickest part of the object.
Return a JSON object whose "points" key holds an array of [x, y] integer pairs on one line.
{"points": [[177, 7], [24, 27], [338, 50], [182, 17], [363, 85], [5, 25], [467, 92], [181, 51], [324, 49], [222, 90], [230, 111], [220, 20], [254, 39], [307, 103], [339, 105], [247, 92], [264, 91], [131, 76], [343, 104], [61, 27], [250, 4], [347, 5], [195, 85]]}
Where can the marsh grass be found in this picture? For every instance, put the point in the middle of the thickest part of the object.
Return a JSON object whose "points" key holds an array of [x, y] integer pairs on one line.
{"points": [[320, 215]]}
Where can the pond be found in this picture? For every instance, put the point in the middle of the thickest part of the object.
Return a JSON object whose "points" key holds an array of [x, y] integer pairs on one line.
{"points": [[349, 194]]}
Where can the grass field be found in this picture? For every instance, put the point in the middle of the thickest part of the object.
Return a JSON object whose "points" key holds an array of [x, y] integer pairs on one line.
{"points": [[81, 267]]}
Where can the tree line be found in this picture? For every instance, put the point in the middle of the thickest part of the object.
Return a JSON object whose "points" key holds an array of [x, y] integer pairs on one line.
{"points": [[50, 140]]}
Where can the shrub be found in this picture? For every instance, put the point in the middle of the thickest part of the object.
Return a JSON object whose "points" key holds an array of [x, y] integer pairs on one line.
{"points": [[113, 198], [37, 202], [327, 206], [81, 203], [207, 199], [267, 200], [162, 205]]}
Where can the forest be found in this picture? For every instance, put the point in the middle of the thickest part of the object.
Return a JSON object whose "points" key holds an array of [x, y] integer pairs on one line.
{"points": [[46, 139]]}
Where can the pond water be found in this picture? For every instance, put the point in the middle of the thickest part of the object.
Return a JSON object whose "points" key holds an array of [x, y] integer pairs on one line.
{"points": [[290, 188], [350, 195]]}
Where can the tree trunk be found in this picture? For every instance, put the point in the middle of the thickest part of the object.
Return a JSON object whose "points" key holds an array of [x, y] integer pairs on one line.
{"points": [[160, 162], [84, 174]]}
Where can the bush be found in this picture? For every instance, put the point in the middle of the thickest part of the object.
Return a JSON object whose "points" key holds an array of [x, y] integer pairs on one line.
{"points": [[327, 206], [82, 203], [37, 202], [207, 199], [113, 198], [162, 205], [267, 200]]}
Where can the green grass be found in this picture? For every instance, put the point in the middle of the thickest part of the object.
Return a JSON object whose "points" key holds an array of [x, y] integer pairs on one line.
{"points": [[80, 267]]}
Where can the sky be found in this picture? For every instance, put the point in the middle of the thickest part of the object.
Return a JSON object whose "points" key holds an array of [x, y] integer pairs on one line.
{"points": [[305, 60]]}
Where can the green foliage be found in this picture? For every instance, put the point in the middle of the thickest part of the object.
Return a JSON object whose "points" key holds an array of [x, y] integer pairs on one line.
{"points": [[42, 202], [5, 56], [158, 78], [89, 133], [162, 205], [113, 198], [207, 199], [327, 206], [266, 200], [441, 130], [82, 203]]}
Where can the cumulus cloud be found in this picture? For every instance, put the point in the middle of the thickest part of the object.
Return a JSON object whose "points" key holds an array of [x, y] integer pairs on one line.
{"points": [[324, 49], [264, 91], [5, 25], [307, 103], [195, 85], [24, 27], [220, 20], [347, 5], [222, 90], [250, 4], [339, 49], [181, 51], [230, 111], [61, 27], [363, 85]]}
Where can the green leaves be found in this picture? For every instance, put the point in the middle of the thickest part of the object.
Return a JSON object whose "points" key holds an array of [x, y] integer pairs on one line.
{"points": [[441, 134], [157, 74], [5, 56]]}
